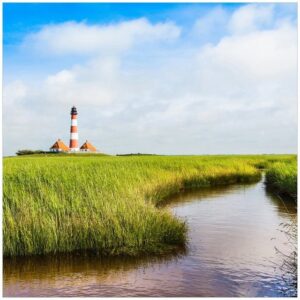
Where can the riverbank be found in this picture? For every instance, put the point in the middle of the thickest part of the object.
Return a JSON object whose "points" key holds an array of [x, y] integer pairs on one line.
{"points": [[108, 204], [282, 178]]}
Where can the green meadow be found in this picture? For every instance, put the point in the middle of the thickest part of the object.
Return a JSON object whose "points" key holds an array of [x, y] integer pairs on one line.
{"points": [[109, 204]]}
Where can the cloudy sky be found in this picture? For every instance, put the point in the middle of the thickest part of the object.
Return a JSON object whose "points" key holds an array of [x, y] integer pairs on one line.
{"points": [[152, 78]]}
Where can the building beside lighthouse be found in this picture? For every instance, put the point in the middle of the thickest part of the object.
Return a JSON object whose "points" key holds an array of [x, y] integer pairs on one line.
{"points": [[59, 145], [87, 147]]}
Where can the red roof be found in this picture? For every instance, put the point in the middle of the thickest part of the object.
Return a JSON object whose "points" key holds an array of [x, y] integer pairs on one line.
{"points": [[88, 146], [59, 145]]}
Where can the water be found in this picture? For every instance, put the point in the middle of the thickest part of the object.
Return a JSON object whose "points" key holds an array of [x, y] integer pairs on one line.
{"points": [[233, 232]]}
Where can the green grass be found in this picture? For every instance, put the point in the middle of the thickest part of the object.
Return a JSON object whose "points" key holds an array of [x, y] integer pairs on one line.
{"points": [[282, 178], [108, 204]]}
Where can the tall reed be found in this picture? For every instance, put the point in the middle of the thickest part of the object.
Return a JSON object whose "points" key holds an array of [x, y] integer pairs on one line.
{"points": [[107, 204], [282, 178]]}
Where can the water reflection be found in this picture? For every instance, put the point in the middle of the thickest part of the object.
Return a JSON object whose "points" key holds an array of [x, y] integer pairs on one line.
{"points": [[232, 234], [286, 207], [63, 272]]}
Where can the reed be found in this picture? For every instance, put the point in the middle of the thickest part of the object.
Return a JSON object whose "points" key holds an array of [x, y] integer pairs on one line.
{"points": [[107, 204], [282, 178]]}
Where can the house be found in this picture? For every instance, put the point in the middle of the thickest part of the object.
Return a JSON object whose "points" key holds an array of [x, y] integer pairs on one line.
{"points": [[59, 146], [87, 147]]}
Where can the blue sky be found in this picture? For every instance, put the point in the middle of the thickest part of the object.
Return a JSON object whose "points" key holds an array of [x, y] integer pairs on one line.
{"points": [[160, 78], [22, 18]]}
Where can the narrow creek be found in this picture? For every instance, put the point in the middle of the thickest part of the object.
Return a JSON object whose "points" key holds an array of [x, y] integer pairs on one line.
{"points": [[233, 232]]}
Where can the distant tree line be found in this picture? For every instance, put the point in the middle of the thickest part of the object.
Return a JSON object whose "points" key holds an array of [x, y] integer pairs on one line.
{"points": [[34, 152], [29, 152]]}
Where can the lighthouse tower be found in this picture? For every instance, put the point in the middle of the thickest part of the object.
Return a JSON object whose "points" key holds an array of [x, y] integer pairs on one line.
{"points": [[74, 131]]}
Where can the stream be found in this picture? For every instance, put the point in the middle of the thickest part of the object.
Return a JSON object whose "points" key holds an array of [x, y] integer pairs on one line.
{"points": [[233, 232]]}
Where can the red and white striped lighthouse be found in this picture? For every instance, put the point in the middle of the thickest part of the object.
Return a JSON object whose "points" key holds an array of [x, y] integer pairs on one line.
{"points": [[74, 131]]}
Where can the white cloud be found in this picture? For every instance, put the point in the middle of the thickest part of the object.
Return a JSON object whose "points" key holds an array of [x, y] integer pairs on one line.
{"points": [[95, 83], [251, 17], [14, 92], [61, 78], [260, 54], [81, 38], [212, 22]]}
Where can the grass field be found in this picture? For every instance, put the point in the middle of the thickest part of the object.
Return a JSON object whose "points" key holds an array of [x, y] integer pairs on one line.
{"points": [[282, 178], [108, 204]]}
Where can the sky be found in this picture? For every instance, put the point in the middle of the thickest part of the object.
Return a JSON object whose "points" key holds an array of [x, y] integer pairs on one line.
{"points": [[193, 78]]}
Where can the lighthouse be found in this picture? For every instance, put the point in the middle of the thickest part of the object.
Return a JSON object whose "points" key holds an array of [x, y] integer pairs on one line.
{"points": [[74, 131]]}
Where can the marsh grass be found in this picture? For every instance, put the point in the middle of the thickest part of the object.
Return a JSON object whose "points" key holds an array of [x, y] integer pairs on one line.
{"points": [[282, 178], [107, 204]]}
